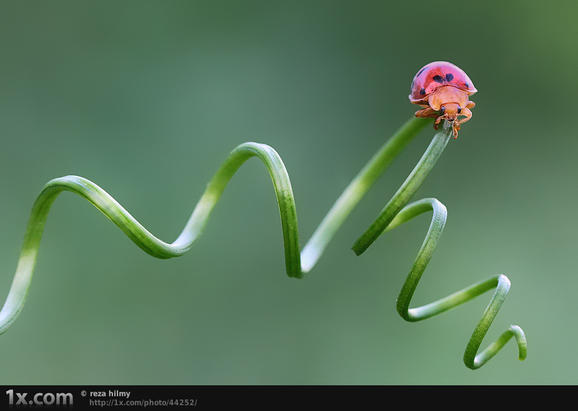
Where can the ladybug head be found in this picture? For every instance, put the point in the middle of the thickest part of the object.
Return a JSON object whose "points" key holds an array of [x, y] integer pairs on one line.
{"points": [[450, 111]]}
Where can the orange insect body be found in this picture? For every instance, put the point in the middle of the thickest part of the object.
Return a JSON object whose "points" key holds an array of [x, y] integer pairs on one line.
{"points": [[443, 90]]}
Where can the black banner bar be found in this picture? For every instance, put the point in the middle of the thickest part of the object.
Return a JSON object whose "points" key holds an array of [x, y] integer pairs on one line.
{"points": [[260, 397]]}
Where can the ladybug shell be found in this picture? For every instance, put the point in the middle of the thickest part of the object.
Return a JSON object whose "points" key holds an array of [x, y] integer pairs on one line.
{"points": [[435, 75]]}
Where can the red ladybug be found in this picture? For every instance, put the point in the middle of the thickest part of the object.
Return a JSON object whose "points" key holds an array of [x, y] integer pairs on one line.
{"points": [[443, 89]]}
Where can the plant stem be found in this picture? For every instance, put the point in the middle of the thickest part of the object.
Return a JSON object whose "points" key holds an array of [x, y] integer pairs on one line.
{"points": [[355, 191], [395, 213]]}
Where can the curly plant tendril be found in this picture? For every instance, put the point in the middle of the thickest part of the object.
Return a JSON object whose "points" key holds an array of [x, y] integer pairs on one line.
{"points": [[395, 213]]}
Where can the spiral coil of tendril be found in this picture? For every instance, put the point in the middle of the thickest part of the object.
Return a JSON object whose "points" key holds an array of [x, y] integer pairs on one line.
{"points": [[396, 212]]}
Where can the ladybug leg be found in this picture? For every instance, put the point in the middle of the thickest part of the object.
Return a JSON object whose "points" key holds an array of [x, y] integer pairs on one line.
{"points": [[427, 112], [470, 104], [467, 115], [437, 122], [456, 129]]}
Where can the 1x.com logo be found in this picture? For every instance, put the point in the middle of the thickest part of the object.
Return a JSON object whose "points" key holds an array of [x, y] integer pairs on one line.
{"points": [[39, 398]]}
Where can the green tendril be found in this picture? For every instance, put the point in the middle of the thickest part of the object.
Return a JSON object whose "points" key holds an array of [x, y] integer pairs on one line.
{"points": [[396, 212]]}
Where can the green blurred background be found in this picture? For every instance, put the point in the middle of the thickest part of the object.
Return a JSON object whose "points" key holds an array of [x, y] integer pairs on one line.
{"points": [[147, 98]]}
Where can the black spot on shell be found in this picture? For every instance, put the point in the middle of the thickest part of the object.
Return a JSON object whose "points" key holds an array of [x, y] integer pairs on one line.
{"points": [[449, 77], [422, 92], [438, 79], [467, 85]]}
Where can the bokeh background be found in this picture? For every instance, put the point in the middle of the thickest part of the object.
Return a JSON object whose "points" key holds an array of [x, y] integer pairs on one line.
{"points": [[147, 98]]}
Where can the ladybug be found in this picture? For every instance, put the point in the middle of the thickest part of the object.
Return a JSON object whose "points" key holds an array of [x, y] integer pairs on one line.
{"points": [[443, 90]]}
